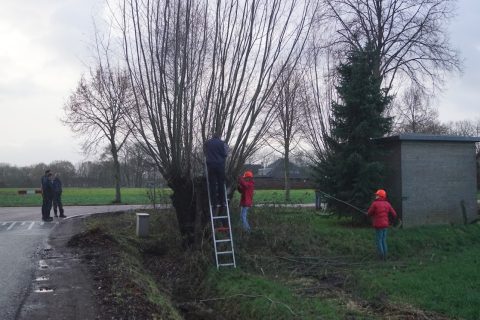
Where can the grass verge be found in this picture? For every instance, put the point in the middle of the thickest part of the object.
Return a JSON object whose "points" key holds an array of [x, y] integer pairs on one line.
{"points": [[297, 264], [115, 259]]}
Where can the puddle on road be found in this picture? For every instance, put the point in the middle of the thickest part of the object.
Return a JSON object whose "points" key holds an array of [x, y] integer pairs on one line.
{"points": [[42, 264], [44, 290]]}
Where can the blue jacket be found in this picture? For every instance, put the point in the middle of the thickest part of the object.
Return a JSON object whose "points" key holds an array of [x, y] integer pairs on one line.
{"points": [[216, 152]]}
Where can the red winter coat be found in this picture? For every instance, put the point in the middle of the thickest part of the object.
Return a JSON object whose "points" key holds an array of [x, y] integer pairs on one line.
{"points": [[245, 187], [379, 211]]}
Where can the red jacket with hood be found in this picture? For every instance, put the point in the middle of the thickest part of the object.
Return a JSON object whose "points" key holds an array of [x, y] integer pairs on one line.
{"points": [[379, 211], [245, 187]]}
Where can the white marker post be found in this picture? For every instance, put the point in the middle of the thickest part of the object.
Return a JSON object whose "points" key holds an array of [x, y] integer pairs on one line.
{"points": [[142, 224]]}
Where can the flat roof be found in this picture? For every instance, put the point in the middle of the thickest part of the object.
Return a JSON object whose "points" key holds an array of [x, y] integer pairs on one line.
{"points": [[428, 137]]}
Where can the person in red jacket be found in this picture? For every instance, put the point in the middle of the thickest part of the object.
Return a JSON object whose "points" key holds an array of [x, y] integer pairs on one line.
{"points": [[379, 211], [246, 186]]}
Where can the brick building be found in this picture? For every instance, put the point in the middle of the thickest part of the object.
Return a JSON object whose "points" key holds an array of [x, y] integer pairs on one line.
{"points": [[431, 179]]}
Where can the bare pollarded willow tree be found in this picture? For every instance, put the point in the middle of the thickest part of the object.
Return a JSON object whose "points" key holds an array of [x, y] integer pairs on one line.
{"points": [[200, 67]]}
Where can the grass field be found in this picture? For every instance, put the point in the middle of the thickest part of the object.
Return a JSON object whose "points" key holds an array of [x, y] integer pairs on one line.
{"points": [[430, 268], [75, 196], [9, 197], [297, 264]]}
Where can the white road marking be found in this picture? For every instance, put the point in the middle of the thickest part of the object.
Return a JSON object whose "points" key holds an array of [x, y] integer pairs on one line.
{"points": [[11, 226], [27, 225]]}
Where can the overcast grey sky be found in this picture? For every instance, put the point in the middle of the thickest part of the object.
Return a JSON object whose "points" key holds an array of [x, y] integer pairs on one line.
{"points": [[44, 47], [461, 98]]}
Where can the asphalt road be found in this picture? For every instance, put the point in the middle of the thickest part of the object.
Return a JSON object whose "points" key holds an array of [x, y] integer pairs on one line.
{"points": [[22, 233]]}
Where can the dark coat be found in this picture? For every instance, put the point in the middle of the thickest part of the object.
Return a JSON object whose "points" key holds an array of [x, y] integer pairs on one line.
{"points": [[216, 152], [47, 188]]}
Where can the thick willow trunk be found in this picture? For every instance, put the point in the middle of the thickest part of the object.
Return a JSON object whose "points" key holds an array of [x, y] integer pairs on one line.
{"points": [[190, 202]]}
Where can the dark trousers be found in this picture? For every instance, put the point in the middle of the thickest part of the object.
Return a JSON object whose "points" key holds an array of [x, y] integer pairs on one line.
{"points": [[216, 181], [46, 207], [57, 203]]}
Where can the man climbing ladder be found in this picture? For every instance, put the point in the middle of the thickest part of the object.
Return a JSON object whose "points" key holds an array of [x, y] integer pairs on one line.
{"points": [[216, 152]]}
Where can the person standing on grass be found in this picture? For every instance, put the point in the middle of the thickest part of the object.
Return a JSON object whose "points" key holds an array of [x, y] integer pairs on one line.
{"points": [[216, 152], [246, 186], [380, 210], [57, 196]]}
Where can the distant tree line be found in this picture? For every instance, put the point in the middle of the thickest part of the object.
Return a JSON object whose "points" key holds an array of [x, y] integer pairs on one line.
{"points": [[136, 171]]}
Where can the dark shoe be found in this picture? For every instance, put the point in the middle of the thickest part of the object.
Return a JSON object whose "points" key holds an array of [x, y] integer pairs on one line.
{"points": [[49, 219], [63, 216], [56, 215]]}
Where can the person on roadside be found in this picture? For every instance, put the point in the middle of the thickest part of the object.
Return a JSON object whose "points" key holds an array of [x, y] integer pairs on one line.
{"points": [[216, 152], [47, 195], [380, 211], [57, 196], [246, 186]]}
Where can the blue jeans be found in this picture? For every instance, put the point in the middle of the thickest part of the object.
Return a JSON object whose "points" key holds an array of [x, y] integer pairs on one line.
{"points": [[381, 241], [243, 215]]}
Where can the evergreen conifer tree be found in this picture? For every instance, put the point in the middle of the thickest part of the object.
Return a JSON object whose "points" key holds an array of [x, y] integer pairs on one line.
{"points": [[351, 169]]}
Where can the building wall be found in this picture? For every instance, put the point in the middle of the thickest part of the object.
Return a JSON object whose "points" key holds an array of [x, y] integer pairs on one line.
{"points": [[393, 174], [436, 178]]}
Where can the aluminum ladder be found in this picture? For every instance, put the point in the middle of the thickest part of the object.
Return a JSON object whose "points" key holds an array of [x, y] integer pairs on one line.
{"points": [[222, 236]]}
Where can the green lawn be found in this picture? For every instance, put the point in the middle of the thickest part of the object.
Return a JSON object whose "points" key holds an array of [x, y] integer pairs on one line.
{"points": [[75, 196], [430, 268], [9, 197], [278, 196]]}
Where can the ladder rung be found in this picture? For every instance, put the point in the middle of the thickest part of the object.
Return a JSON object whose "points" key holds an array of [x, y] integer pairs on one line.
{"points": [[225, 252], [225, 264], [220, 217], [223, 240]]}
